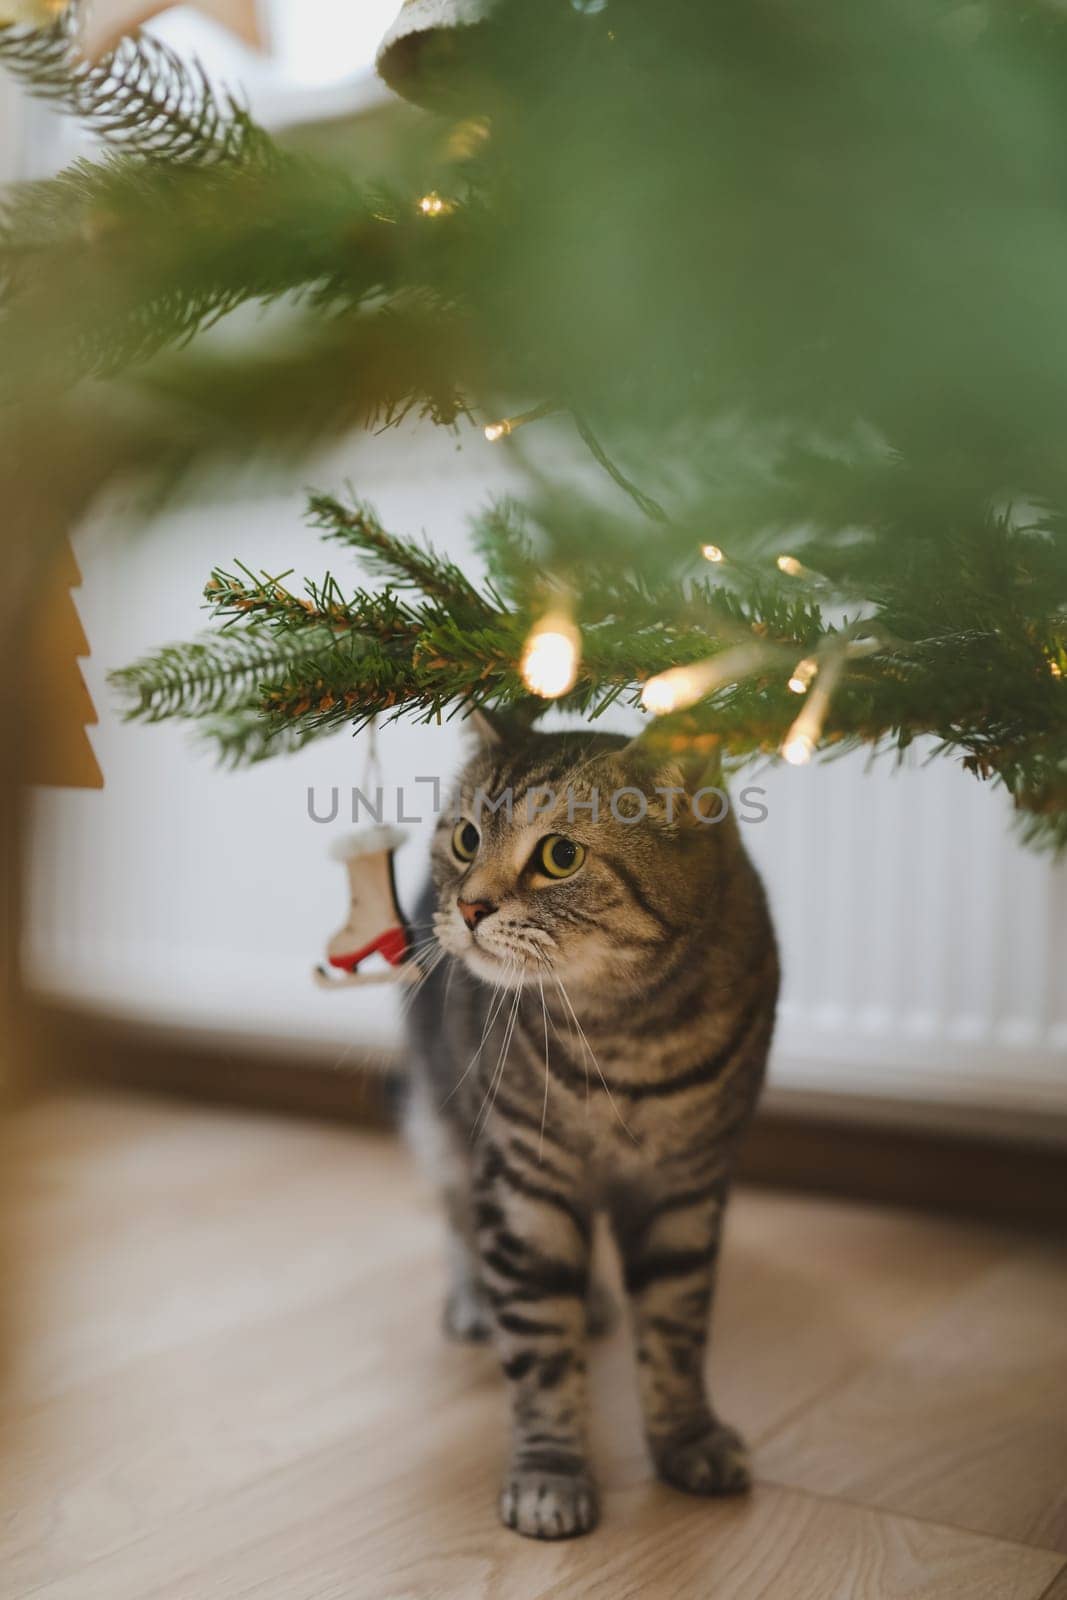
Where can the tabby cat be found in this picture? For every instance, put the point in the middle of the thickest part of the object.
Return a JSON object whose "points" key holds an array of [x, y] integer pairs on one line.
{"points": [[593, 1038]]}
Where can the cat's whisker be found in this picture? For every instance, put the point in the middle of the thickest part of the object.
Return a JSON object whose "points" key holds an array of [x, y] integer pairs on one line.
{"points": [[495, 1006], [425, 974], [507, 1044], [498, 1071], [550, 1016], [540, 952], [425, 955], [611, 1098], [572, 1036], [544, 1108], [421, 955], [448, 984], [571, 1022], [424, 947], [490, 1095], [425, 942], [418, 983]]}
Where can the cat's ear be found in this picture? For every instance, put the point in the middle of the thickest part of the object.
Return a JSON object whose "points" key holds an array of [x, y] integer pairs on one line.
{"points": [[700, 767], [483, 725], [503, 726], [693, 765], [690, 768]]}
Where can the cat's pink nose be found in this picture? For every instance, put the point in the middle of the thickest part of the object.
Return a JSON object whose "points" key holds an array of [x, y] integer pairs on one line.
{"points": [[475, 911]]}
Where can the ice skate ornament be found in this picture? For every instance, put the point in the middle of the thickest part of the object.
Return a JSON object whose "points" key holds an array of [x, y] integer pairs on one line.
{"points": [[375, 923]]}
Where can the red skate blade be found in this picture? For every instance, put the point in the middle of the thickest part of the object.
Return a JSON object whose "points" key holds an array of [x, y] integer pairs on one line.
{"points": [[392, 944]]}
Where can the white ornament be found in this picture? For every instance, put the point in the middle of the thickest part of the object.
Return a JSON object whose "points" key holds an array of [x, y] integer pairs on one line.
{"points": [[375, 924]]}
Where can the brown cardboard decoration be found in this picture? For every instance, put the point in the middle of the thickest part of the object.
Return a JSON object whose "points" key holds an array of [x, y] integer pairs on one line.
{"points": [[59, 752]]}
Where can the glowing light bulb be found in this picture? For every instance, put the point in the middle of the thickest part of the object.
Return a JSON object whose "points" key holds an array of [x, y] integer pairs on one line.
{"points": [[1055, 669], [803, 674], [798, 749], [500, 429], [432, 205], [550, 657], [680, 687], [803, 737], [711, 552], [790, 566], [672, 690]]}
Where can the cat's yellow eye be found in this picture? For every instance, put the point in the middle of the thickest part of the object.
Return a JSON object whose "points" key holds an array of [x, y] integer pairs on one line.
{"points": [[465, 841], [558, 857]]}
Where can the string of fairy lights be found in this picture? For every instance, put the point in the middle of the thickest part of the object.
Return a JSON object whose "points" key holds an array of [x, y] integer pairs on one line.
{"points": [[552, 653], [551, 656]]}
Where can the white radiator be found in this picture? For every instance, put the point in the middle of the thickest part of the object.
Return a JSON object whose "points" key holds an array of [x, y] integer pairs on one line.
{"points": [[925, 950]]}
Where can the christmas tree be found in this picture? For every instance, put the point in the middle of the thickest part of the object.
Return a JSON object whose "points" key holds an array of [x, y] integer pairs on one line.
{"points": [[790, 277]]}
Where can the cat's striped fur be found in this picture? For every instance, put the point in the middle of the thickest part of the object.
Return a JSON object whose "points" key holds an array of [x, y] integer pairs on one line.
{"points": [[594, 1043]]}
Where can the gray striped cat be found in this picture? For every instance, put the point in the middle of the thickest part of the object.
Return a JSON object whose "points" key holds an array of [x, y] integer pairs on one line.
{"points": [[593, 1039]]}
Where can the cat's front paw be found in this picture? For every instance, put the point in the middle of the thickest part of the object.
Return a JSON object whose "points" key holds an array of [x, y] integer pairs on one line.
{"points": [[549, 1505], [713, 1461]]}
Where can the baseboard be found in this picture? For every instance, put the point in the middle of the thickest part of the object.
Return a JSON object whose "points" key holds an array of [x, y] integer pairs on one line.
{"points": [[846, 1155]]}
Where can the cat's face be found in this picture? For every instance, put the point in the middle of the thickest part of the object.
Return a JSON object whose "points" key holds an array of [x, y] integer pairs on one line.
{"points": [[533, 883]]}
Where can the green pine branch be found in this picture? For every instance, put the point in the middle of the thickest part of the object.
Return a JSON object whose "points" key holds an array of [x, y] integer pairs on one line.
{"points": [[141, 96], [504, 541], [285, 392], [294, 667], [401, 560], [112, 261], [239, 739], [262, 601], [220, 673]]}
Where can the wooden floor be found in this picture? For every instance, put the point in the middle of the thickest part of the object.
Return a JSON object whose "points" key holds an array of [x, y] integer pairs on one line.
{"points": [[229, 1384]]}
